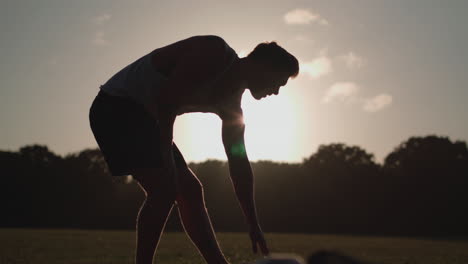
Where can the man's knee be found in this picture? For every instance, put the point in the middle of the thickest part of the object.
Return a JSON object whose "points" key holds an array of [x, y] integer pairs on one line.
{"points": [[190, 188], [156, 183]]}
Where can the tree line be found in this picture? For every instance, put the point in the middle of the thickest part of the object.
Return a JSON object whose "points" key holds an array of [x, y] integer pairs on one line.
{"points": [[420, 189]]}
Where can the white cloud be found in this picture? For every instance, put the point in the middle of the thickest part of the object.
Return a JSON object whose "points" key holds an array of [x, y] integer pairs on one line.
{"points": [[303, 38], [342, 91], [317, 68], [324, 22], [101, 19], [347, 92], [377, 103], [303, 17], [352, 60], [99, 39]]}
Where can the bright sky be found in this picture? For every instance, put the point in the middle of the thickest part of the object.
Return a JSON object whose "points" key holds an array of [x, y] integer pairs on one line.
{"points": [[373, 73]]}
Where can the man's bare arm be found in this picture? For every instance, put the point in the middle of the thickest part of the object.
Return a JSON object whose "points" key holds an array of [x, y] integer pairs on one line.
{"points": [[241, 174], [239, 167]]}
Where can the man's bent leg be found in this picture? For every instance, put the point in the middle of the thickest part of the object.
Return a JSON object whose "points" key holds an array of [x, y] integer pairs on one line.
{"points": [[160, 197], [195, 219]]}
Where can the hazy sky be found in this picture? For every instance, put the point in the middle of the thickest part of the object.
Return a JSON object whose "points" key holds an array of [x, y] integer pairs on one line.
{"points": [[373, 73]]}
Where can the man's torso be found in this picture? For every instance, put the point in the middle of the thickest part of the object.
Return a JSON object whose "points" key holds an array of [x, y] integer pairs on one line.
{"points": [[200, 67]]}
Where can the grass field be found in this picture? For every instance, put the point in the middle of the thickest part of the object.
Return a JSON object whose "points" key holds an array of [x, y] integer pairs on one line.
{"points": [[116, 247]]}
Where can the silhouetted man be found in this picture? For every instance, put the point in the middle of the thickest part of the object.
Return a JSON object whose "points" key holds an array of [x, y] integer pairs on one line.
{"points": [[132, 119]]}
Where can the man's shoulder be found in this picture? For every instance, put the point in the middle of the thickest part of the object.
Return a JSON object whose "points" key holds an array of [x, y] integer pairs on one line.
{"points": [[209, 56], [212, 40], [214, 45]]}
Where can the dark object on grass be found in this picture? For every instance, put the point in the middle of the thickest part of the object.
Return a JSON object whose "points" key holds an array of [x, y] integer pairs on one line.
{"points": [[330, 257], [282, 259]]}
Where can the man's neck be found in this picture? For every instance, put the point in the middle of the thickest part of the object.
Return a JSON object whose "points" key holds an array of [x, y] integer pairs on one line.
{"points": [[239, 72]]}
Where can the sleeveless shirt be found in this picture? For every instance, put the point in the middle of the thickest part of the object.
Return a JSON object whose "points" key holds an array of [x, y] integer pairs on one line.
{"points": [[140, 80]]}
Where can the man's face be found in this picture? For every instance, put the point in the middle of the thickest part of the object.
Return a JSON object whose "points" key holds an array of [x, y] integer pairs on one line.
{"points": [[267, 82]]}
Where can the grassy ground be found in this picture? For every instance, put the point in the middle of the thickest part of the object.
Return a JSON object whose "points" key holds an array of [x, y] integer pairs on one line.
{"points": [[102, 247]]}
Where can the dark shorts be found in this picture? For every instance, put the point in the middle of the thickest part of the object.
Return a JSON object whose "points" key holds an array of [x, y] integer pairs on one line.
{"points": [[127, 134]]}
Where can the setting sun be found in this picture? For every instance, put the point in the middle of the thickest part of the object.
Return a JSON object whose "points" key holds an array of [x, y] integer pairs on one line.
{"points": [[272, 125]]}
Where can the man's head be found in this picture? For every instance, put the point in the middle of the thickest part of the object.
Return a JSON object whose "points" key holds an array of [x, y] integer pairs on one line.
{"points": [[271, 67]]}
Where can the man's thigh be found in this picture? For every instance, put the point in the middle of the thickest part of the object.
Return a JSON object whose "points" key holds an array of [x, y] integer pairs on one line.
{"points": [[158, 178]]}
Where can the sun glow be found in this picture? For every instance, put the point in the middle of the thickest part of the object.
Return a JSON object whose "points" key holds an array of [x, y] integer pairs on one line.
{"points": [[271, 131], [271, 126]]}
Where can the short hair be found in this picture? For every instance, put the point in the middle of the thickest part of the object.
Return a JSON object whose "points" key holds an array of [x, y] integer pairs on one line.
{"points": [[271, 53]]}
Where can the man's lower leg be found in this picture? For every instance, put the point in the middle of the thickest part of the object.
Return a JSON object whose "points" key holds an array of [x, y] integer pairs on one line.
{"points": [[150, 224], [195, 219], [198, 226]]}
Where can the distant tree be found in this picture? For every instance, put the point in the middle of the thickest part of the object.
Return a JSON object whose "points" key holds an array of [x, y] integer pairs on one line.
{"points": [[428, 177], [343, 181], [421, 190], [39, 155], [339, 154], [426, 154], [89, 189], [342, 165], [12, 201], [32, 182]]}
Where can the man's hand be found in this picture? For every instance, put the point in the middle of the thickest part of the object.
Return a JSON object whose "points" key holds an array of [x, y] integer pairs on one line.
{"points": [[258, 241]]}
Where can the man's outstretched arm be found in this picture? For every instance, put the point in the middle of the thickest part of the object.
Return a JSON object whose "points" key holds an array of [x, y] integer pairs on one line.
{"points": [[242, 176]]}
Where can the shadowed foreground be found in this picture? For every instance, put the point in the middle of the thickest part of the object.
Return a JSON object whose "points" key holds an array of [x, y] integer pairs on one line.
{"points": [[86, 247]]}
